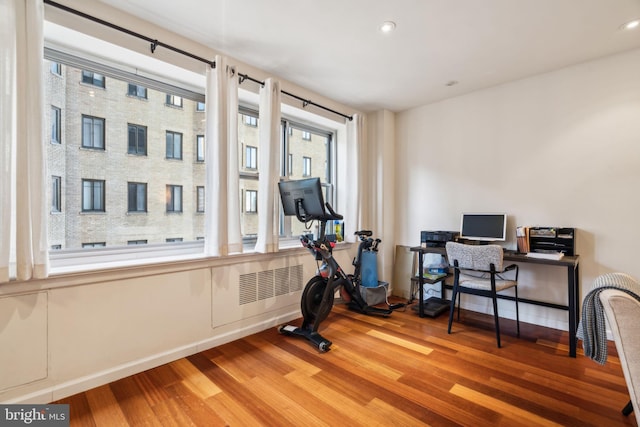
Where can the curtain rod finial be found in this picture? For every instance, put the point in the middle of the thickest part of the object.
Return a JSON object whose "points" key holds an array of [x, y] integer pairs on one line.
{"points": [[154, 45]]}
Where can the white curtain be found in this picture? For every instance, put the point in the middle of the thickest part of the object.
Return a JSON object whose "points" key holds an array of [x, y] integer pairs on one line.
{"points": [[268, 167], [355, 160], [222, 224], [22, 155]]}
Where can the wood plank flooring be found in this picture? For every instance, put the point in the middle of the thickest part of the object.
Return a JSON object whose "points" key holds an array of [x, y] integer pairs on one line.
{"points": [[402, 371]]}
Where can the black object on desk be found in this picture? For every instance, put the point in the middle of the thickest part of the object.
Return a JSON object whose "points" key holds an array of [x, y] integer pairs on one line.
{"points": [[571, 262]]}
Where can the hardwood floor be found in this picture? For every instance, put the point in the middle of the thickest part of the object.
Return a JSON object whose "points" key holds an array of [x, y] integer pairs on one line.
{"points": [[400, 371]]}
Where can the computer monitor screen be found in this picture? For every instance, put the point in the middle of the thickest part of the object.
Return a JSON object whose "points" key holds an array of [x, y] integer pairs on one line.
{"points": [[308, 191], [483, 226]]}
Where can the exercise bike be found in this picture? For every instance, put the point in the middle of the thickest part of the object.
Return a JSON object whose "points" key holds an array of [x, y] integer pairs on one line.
{"points": [[304, 199]]}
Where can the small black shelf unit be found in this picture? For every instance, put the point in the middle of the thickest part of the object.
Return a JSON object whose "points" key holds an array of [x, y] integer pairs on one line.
{"points": [[553, 239]]}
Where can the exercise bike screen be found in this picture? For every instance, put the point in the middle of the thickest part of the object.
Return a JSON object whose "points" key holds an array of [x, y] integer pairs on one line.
{"points": [[308, 190]]}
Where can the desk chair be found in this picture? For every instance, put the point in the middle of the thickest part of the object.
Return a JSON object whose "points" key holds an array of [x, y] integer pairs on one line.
{"points": [[478, 270]]}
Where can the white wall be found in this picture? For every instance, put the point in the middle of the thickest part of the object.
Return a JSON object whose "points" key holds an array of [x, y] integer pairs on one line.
{"points": [[557, 149], [73, 332]]}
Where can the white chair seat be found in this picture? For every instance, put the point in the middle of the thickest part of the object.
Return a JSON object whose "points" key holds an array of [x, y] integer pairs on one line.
{"points": [[473, 282]]}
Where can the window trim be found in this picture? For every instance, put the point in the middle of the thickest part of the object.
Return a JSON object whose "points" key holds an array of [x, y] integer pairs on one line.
{"points": [[171, 208], [93, 120], [173, 143], [137, 185], [102, 195]]}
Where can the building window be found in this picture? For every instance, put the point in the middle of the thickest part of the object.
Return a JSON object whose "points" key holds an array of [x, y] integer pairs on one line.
{"points": [[200, 198], [56, 68], [306, 135], [251, 157], [174, 198], [92, 132], [137, 91], [92, 195], [251, 201], [137, 140], [56, 125], [174, 145], [250, 120], [200, 148], [200, 106], [94, 245], [137, 242], [92, 78], [137, 197], [56, 194], [174, 100], [56, 247], [173, 239], [306, 166]]}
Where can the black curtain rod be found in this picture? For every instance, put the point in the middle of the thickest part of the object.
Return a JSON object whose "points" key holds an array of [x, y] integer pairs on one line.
{"points": [[305, 102], [155, 43]]}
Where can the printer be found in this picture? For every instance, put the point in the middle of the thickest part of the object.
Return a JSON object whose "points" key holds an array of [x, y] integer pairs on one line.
{"points": [[437, 239]]}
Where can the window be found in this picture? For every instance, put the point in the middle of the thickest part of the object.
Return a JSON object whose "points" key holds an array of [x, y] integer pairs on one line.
{"points": [[200, 198], [251, 201], [137, 197], [174, 100], [319, 147], [56, 247], [174, 198], [56, 68], [92, 78], [94, 245], [136, 156], [92, 132], [137, 242], [137, 140], [200, 148], [200, 106], [92, 195], [173, 239], [306, 166], [174, 145], [137, 91], [251, 157], [250, 120], [56, 125], [56, 194]]}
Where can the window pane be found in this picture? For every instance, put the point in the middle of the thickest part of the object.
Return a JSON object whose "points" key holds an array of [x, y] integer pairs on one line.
{"points": [[136, 182]]}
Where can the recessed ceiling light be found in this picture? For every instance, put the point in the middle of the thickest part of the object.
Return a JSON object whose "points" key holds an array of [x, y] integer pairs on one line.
{"points": [[631, 24], [387, 26]]}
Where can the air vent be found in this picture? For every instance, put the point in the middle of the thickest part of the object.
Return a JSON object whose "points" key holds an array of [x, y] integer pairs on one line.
{"points": [[266, 284]]}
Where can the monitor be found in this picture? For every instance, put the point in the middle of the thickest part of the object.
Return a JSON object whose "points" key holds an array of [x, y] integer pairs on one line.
{"points": [[308, 192], [483, 226]]}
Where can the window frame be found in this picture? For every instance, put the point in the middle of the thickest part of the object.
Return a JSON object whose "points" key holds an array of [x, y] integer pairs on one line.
{"points": [[136, 186], [200, 148], [89, 77], [173, 135], [171, 198], [94, 120], [56, 125], [173, 100], [102, 198], [56, 194], [136, 93], [251, 201], [200, 198], [251, 157], [137, 128]]}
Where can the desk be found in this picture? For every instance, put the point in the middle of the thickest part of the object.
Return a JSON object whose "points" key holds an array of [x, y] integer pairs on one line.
{"points": [[571, 263]]}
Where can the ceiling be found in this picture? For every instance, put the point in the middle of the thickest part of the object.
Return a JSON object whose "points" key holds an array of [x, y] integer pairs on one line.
{"points": [[333, 47]]}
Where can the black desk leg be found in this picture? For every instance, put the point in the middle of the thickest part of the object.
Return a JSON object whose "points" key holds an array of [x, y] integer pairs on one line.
{"points": [[574, 307], [421, 284]]}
